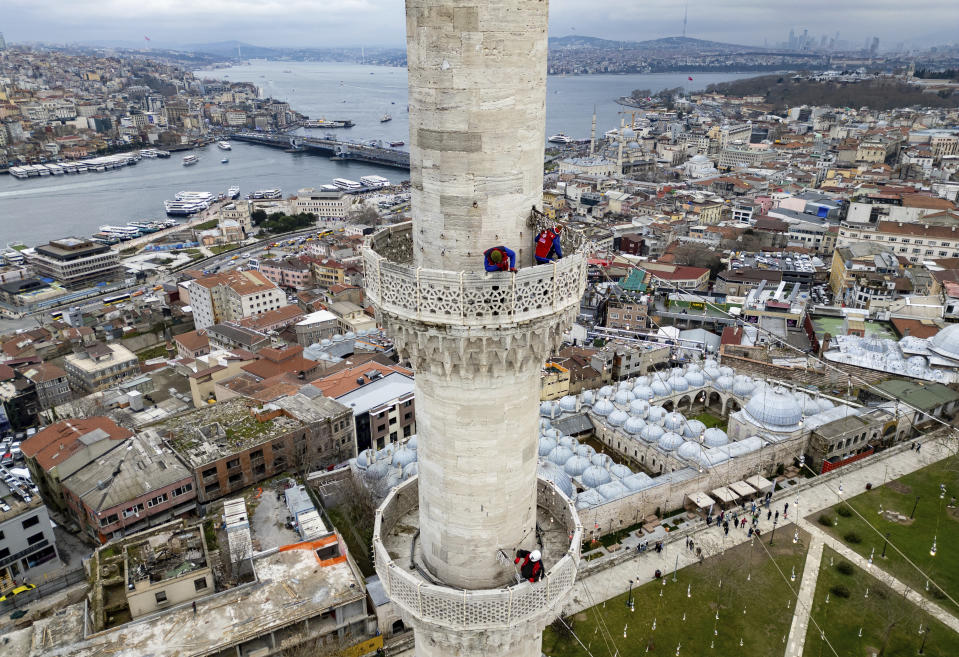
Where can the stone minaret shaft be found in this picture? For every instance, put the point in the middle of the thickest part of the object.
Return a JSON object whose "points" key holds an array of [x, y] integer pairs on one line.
{"points": [[477, 77]]}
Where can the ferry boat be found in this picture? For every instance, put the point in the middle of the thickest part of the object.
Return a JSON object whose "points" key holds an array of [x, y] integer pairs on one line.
{"points": [[374, 181], [233, 192], [190, 160], [225, 160], [348, 185], [265, 194], [325, 123], [104, 238], [560, 138], [163, 154], [184, 208], [146, 227], [224, 146], [201, 197], [386, 117], [121, 232]]}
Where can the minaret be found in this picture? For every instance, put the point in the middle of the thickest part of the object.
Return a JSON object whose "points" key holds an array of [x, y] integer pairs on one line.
{"points": [[592, 135], [444, 540]]}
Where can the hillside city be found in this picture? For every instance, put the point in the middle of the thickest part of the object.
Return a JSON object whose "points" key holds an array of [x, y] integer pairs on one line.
{"points": [[201, 414]]}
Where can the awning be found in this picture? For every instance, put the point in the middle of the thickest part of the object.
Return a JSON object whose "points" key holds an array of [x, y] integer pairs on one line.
{"points": [[760, 483], [701, 500], [723, 494], [742, 489]]}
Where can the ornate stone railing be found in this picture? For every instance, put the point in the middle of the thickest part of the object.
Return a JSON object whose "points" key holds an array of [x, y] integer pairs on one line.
{"points": [[479, 609], [394, 286]]}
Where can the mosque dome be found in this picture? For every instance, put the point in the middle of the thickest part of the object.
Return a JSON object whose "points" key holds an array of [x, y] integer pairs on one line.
{"points": [[560, 455], [612, 490], [603, 407], [695, 379], [568, 404], [946, 342], [651, 433], [655, 415], [349, 335], [660, 389], [553, 432], [619, 470], [623, 397], [588, 498], [634, 425], [552, 472], [547, 409], [601, 460], [643, 392], [413, 442], [710, 363], [775, 409], [410, 470], [617, 418], [711, 373], [825, 404], [576, 465], [606, 392], [670, 441], [693, 429], [386, 453], [678, 382], [639, 407], [364, 459], [636, 481], [724, 382], [595, 476], [725, 370], [565, 441], [690, 451], [743, 386], [544, 424], [587, 397], [394, 478], [641, 381], [546, 445], [674, 421], [377, 471], [585, 451], [403, 457], [625, 385], [715, 437]]}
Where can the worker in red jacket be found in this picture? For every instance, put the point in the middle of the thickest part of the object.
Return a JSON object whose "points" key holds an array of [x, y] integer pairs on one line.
{"points": [[548, 246], [499, 258], [530, 564]]}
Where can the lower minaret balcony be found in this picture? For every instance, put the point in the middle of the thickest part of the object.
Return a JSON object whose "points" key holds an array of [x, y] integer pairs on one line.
{"points": [[426, 601]]}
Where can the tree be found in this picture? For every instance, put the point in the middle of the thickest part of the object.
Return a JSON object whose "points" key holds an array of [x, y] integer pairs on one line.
{"points": [[698, 255], [364, 215], [258, 217]]}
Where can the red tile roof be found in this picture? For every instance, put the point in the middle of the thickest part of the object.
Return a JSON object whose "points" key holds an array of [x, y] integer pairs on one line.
{"points": [[60, 441]]}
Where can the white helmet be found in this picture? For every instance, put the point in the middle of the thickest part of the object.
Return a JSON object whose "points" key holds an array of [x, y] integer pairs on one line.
{"points": [[535, 555]]}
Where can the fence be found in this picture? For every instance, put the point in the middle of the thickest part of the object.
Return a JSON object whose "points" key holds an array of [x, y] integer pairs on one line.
{"points": [[47, 587]]}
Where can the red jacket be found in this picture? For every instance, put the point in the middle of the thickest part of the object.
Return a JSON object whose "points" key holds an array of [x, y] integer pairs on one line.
{"points": [[531, 570]]}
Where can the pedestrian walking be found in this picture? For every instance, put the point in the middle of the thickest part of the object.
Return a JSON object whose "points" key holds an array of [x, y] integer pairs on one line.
{"points": [[918, 447], [194, 607], [726, 528], [750, 533], [743, 524], [709, 521], [776, 516], [769, 515], [785, 508]]}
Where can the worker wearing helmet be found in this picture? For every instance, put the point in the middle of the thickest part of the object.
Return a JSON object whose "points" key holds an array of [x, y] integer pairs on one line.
{"points": [[530, 564], [500, 258], [548, 246]]}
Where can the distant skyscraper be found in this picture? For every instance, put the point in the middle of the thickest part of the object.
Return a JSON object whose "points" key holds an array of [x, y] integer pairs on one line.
{"points": [[874, 47], [3, 44]]}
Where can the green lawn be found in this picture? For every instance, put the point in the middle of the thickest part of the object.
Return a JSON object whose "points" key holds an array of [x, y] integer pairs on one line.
{"points": [[711, 420], [153, 352], [890, 624], [223, 248], [933, 517], [207, 225], [719, 584]]}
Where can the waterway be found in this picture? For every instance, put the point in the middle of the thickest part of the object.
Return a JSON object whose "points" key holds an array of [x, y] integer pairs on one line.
{"points": [[39, 209]]}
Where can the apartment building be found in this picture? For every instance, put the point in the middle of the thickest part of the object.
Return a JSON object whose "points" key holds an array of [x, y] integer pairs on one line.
{"points": [[52, 384], [913, 241], [324, 204], [75, 262], [99, 366], [328, 272], [27, 544], [291, 273], [678, 276], [853, 265], [231, 296]]}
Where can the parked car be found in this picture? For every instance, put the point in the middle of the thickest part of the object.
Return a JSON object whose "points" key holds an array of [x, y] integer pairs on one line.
{"points": [[18, 591]]}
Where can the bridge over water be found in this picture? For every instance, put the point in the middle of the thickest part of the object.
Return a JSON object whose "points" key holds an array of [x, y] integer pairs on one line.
{"points": [[345, 150]]}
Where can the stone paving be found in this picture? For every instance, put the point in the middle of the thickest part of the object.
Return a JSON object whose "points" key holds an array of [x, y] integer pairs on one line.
{"points": [[600, 585]]}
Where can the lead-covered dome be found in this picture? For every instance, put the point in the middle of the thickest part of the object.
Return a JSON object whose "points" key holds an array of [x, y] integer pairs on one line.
{"points": [[711, 373], [715, 437], [568, 404], [606, 392], [743, 386], [612, 490], [639, 407], [678, 383], [643, 393], [560, 455], [595, 476], [655, 415], [584, 450], [623, 397], [552, 472], [587, 397], [619, 470], [546, 445], [670, 441], [547, 409], [652, 433], [695, 379], [775, 409], [634, 425], [674, 421], [403, 457], [576, 465], [723, 382], [636, 481], [588, 498], [617, 418], [660, 389], [603, 407], [693, 428]]}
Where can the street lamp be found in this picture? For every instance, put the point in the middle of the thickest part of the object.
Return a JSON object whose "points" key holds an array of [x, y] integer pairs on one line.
{"points": [[884, 544], [630, 602], [772, 533], [913, 514], [924, 635]]}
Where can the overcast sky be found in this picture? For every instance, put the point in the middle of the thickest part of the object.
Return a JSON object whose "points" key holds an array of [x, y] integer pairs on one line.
{"points": [[321, 23]]}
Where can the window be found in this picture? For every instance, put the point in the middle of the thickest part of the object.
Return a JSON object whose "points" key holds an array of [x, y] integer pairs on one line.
{"points": [[233, 463], [209, 472], [199, 584], [36, 538], [4, 553], [30, 522], [381, 427], [161, 597]]}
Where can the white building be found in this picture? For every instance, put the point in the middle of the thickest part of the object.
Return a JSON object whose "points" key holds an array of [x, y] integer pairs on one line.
{"points": [[231, 296]]}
